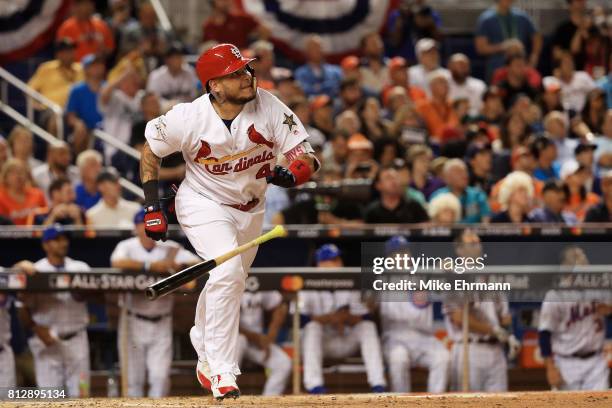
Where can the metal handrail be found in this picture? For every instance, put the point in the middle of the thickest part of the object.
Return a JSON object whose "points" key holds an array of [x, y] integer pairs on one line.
{"points": [[38, 97], [164, 21], [49, 138], [59, 112]]}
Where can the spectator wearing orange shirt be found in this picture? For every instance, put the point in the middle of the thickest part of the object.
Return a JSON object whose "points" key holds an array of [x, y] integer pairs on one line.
{"points": [[17, 197], [398, 76], [227, 26], [437, 112], [90, 34]]}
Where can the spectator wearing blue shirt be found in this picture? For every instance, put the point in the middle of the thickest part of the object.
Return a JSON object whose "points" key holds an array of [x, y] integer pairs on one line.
{"points": [[554, 197], [474, 202], [317, 77], [82, 107], [545, 152], [89, 163], [500, 24]]}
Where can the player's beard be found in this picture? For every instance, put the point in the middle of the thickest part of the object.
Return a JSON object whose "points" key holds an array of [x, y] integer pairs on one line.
{"points": [[241, 100]]}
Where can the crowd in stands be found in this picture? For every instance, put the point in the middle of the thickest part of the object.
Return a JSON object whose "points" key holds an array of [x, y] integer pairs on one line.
{"points": [[438, 144]]}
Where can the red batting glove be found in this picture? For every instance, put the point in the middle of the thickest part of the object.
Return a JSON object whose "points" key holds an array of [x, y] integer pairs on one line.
{"points": [[156, 224]]}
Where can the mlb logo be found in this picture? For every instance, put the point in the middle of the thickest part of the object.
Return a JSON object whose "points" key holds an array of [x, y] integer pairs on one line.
{"points": [[236, 53], [17, 281], [62, 282]]}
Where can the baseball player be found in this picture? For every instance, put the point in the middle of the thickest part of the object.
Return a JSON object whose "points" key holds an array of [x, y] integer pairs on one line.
{"points": [[230, 139], [149, 326], [258, 346], [408, 338], [7, 360], [487, 334], [338, 324], [572, 334], [59, 321]]}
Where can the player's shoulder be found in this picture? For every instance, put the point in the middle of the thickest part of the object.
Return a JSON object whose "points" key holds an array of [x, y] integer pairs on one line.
{"points": [[75, 265], [266, 98], [128, 243], [41, 263]]}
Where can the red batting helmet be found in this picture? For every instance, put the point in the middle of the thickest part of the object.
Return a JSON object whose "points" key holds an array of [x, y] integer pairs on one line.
{"points": [[218, 61]]}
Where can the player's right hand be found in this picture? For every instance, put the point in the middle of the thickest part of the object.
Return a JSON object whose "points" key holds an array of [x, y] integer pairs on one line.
{"points": [[156, 224], [282, 177], [44, 334]]}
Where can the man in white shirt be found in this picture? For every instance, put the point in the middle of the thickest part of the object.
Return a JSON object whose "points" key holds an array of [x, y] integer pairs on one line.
{"points": [[59, 320], [429, 61], [112, 211], [148, 325], [119, 103], [464, 86], [556, 126], [575, 85], [175, 81], [57, 166]]}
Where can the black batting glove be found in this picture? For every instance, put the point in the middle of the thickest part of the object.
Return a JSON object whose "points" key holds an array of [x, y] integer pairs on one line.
{"points": [[282, 177]]}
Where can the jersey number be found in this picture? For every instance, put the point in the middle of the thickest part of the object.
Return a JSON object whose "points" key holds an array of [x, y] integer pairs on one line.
{"points": [[264, 171]]}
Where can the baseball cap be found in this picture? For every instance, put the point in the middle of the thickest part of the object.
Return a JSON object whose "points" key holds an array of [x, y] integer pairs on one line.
{"points": [[424, 45], [175, 48], [107, 175], [569, 168], [139, 217], [359, 141], [475, 148], [539, 144], [327, 252], [349, 62], [52, 232], [551, 84], [397, 62], [395, 244], [582, 147], [319, 101], [89, 59]]}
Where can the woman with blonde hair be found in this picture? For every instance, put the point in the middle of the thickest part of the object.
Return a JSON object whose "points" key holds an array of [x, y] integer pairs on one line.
{"points": [[445, 209], [21, 144], [515, 196], [17, 197]]}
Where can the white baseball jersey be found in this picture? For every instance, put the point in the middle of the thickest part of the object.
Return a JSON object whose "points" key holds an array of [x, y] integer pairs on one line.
{"points": [[315, 302], [60, 311], [403, 319], [5, 318], [132, 249], [489, 312], [253, 306], [575, 325], [228, 167]]}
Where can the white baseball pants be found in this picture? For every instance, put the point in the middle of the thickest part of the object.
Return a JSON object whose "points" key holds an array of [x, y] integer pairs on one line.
{"points": [[64, 364], [7, 367], [422, 351], [149, 356], [277, 365], [588, 374], [488, 367], [214, 229], [318, 343]]}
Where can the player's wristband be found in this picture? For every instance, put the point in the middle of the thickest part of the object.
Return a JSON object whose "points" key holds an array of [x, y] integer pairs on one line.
{"points": [[151, 192], [301, 171]]}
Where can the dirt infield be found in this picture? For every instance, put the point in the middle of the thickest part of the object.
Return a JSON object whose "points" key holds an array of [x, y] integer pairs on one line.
{"points": [[510, 400]]}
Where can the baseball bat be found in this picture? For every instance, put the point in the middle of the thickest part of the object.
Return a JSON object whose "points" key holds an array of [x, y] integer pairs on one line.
{"points": [[173, 282]]}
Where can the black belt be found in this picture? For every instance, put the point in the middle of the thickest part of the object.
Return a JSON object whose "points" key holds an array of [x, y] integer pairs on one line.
{"points": [[491, 341], [583, 356], [68, 336], [152, 319]]}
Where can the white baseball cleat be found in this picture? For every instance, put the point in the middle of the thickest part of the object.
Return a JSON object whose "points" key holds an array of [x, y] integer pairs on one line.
{"points": [[224, 386], [203, 374]]}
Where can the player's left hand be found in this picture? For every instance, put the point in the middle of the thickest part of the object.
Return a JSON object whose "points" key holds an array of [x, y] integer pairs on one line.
{"points": [[514, 347], [264, 342], [282, 177]]}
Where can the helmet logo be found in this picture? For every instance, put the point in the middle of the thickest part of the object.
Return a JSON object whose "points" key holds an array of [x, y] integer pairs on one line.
{"points": [[236, 52]]}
